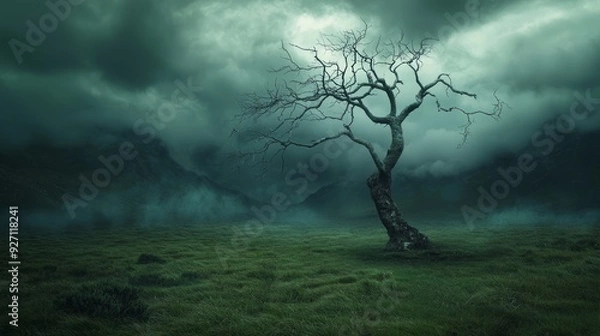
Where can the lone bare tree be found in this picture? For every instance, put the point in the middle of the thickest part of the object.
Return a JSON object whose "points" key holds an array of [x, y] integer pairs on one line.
{"points": [[346, 69]]}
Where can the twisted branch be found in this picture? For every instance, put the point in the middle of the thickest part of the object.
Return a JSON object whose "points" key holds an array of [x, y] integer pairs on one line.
{"points": [[334, 90]]}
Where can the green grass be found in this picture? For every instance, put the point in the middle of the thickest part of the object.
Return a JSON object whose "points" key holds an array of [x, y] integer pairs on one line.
{"points": [[312, 281]]}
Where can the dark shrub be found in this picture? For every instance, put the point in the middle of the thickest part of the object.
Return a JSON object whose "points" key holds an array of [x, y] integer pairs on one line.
{"points": [[146, 258], [104, 301]]}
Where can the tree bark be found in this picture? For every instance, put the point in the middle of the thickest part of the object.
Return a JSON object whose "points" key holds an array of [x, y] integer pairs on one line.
{"points": [[402, 236]]}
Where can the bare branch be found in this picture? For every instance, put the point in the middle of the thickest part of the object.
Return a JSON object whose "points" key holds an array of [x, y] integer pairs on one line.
{"points": [[346, 69], [497, 108], [445, 80]]}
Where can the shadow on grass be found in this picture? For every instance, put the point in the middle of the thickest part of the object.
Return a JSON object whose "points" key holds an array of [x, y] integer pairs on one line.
{"points": [[528, 245], [437, 253]]}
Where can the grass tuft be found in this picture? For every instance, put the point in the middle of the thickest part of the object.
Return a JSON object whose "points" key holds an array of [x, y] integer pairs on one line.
{"points": [[191, 276], [153, 280]]}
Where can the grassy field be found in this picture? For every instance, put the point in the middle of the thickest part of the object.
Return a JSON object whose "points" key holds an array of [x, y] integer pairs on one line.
{"points": [[290, 280]]}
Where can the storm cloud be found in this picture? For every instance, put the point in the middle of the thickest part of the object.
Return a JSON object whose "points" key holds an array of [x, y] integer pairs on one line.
{"points": [[107, 66]]}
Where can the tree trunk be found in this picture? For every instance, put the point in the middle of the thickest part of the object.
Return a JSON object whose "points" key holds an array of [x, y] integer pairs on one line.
{"points": [[402, 236]]}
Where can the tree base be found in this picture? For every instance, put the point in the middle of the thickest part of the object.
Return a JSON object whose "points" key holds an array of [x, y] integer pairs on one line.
{"points": [[402, 236], [397, 245]]}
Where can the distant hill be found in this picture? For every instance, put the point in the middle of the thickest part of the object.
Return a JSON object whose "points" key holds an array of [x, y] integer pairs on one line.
{"points": [[151, 188]]}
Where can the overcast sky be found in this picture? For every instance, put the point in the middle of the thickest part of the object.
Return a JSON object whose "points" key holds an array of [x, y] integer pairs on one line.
{"points": [[110, 64]]}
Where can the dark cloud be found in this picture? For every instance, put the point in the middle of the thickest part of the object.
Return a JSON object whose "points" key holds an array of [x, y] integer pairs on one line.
{"points": [[140, 44], [416, 18]]}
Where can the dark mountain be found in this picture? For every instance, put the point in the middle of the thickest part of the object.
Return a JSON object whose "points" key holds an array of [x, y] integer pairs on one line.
{"points": [[47, 180], [552, 187], [152, 188]]}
